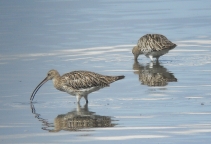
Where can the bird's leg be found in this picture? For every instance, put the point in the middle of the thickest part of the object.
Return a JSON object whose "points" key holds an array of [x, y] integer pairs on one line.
{"points": [[151, 57], [78, 107], [86, 107], [151, 65], [86, 98], [157, 59], [78, 97]]}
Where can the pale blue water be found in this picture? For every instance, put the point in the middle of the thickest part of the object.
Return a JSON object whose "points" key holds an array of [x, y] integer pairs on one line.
{"points": [[36, 36]]}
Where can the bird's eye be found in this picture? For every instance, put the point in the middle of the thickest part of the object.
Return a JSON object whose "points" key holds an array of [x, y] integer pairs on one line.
{"points": [[48, 74]]}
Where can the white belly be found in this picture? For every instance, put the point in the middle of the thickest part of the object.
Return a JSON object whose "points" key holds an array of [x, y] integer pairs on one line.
{"points": [[156, 53], [81, 92]]}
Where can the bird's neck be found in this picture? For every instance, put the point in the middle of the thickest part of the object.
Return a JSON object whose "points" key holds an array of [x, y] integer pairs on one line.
{"points": [[56, 80]]}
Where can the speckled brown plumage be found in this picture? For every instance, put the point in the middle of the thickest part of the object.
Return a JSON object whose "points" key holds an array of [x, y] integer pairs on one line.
{"points": [[153, 46], [84, 79], [78, 83]]}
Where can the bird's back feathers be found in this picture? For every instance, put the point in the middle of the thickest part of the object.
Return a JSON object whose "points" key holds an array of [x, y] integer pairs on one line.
{"points": [[154, 42], [85, 79]]}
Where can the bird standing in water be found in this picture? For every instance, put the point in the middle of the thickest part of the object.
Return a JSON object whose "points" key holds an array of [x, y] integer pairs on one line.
{"points": [[77, 83], [152, 46]]}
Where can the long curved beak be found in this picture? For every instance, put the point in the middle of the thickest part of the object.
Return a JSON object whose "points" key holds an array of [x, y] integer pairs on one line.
{"points": [[37, 88]]}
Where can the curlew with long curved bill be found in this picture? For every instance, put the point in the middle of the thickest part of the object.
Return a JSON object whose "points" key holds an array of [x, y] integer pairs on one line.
{"points": [[152, 46], [77, 83]]}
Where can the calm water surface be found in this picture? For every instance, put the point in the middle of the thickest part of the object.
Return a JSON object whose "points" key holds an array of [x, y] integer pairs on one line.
{"points": [[67, 35]]}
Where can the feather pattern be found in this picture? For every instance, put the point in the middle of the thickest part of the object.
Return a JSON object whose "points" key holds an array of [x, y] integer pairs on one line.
{"points": [[152, 46], [78, 83], [154, 42], [84, 79]]}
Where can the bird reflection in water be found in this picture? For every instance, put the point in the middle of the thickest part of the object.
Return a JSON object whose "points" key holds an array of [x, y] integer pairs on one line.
{"points": [[76, 120], [153, 74]]}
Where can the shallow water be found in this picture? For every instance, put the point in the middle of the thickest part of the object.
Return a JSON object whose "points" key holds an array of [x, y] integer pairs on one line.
{"points": [[98, 36]]}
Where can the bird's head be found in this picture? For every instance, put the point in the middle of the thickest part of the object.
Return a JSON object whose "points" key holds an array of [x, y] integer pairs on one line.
{"points": [[136, 52], [50, 75]]}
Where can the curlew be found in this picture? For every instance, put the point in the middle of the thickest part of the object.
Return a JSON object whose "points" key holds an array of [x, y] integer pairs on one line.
{"points": [[152, 46], [77, 83]]}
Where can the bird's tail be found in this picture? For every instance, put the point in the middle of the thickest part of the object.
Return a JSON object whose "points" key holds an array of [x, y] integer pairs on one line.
{"points": [[120, 77], [111, 79], [173, 46]]}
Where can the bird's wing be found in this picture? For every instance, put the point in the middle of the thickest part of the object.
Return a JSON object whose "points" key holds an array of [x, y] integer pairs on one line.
{"points": [[161, 42], [84, 79], [154, 42]]}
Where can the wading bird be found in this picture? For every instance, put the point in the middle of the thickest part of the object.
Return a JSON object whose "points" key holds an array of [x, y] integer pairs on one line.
{"points": [[77, 83], [152, 46]]}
